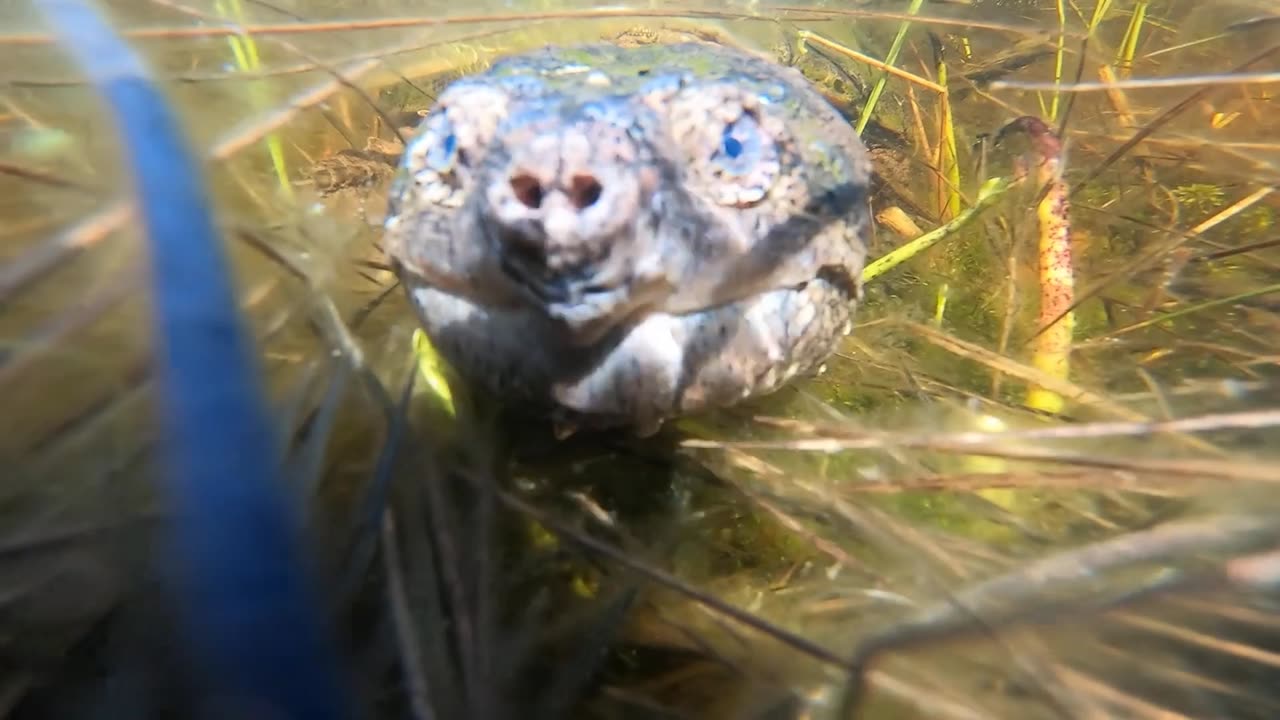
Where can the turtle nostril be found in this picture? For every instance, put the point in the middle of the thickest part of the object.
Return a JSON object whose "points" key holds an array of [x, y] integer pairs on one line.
{"points": [[584, 191], [527, 190]]}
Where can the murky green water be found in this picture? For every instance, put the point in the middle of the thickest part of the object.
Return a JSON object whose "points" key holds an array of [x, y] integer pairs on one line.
{"points": [[870, 505]]}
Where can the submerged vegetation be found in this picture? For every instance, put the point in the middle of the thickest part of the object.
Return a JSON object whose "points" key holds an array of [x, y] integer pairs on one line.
{"points": [[1039, 480]]}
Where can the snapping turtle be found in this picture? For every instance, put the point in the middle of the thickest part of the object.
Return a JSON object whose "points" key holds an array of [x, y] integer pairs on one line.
{"points": [[618, 235]]}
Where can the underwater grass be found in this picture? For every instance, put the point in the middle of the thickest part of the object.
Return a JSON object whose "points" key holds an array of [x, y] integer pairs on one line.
{"points": [[245, 50], [837, 540]]}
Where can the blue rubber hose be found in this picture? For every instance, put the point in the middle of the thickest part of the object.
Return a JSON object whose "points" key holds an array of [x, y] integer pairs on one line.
{"points": [[250, 614]]}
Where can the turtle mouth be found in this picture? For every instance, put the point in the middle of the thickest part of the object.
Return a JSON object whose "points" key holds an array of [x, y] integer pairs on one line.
{"points": [[528, 270], [551, 278]]}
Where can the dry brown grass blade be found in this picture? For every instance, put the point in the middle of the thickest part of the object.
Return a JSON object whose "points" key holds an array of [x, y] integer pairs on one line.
{"points": [[1007, 366], [1153, 83], [55, 334], [816, 39], [1200, 639], [1068, 390], [291, 48], [860, 439], [47, 179], [48, 255], [1066, 569], [1220, 469], [1028, 480], [1136, 707], [338, 27], [925, 700], [939, 20], [1186, 678], [1007, 445], [274, 72]]}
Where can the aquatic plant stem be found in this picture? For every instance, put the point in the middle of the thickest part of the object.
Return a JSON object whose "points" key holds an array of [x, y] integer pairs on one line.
{"points": [[1051, 352], [1099, 13], [1129, 45], [1163, 317], [949, 200], [246, 53], [940, 304], [1119, 101], [890, 59], [1058, 59], [987, 195]]}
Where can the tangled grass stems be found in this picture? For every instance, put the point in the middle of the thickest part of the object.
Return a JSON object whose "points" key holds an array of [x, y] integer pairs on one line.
{"points": [[413, 667], [808, 36], [18, 274], [1129, 44], [1100, 10], [24, 353], [1192, 309], [1163, 249], [866, 440], [891, 58], [1022, 596], [60, 248], [1191, 468], [1051, 590], [987, 196], [1164, 118], [969, 23]]}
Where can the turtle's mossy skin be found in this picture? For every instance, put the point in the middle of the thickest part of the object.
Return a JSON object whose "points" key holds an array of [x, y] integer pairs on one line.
{"points": [[621, 235]]}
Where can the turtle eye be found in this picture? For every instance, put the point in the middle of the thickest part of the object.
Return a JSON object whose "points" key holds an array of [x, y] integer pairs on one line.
{"points": [[434, 158], [442, 156], [730, 146], [741, 143], [439, 144], [744, 162], [449, 145], [454, 137]]}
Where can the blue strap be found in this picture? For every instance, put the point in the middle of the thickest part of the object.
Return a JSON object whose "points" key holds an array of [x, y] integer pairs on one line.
{"points": [[251, 616]]}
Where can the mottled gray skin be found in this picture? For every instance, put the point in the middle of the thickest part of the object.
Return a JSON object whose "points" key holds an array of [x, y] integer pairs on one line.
{"points": [[618, 236]]}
